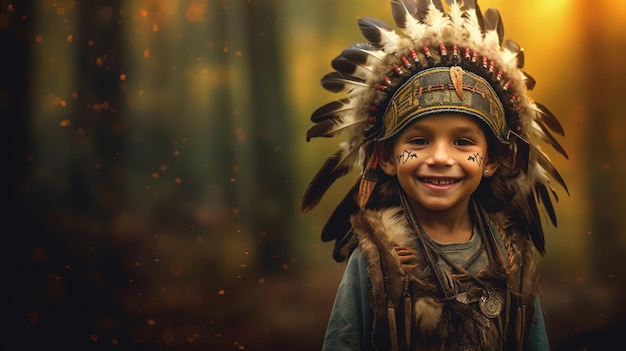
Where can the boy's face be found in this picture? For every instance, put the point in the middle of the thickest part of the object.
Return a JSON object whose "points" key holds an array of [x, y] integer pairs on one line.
{"points": [[439, 160]]}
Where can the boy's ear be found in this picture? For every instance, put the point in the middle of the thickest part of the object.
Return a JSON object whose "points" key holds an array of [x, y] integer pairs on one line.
{"points": [[385, 159], [490, 168]]}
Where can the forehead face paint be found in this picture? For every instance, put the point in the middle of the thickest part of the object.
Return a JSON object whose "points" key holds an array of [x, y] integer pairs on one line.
{"points": [[476, 157], [406, 156]]}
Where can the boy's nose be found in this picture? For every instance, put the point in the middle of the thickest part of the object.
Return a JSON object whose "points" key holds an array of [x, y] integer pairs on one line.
{"points": [[441, 154]]}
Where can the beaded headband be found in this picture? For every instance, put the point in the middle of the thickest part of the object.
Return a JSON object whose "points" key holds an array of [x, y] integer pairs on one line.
{"points": [[448, 89], [450, 57]]}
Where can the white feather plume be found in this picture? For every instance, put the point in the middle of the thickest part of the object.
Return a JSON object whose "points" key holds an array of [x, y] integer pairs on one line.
{"points": [[437, 20]]}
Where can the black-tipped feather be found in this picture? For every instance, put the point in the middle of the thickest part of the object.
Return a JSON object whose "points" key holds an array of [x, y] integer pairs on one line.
{"points": [[422, 7], [336, 166], [549, 119], [544, 198], [400, 9], [338, 226], [516, 49], [338, 223], [408, 18], [493, 22], [362, 53], [333, 126], [469, 5], [345, 66], [533, 221], [547, 137], [535, 229], [336, 82], [529, 81], [377, 32], [552, 171], [333, 109], [331, 170], [480, 17]]}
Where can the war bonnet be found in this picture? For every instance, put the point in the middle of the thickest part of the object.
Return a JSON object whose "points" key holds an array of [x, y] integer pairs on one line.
{"points": [[447, 56]]}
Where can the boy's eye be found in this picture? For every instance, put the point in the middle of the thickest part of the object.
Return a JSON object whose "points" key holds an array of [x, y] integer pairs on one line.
{"points": [[463, 142], [418, 141]]}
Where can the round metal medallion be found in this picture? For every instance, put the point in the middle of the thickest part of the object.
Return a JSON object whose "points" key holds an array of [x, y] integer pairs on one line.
{"points": [[491, 304]]}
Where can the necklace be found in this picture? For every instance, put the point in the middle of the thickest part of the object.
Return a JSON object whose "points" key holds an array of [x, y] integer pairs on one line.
{"points": [[491, 300], [454, 266]]}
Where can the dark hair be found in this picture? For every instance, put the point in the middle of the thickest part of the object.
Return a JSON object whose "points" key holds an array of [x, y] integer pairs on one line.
{"points": [[493, 192], [385, 193]]}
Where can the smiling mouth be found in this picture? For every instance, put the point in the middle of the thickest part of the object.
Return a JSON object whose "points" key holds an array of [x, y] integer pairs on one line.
{"points": [[439, 181]]}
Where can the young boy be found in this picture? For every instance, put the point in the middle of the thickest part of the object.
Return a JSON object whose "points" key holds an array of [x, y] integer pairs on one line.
{"points": [[440, 232]]}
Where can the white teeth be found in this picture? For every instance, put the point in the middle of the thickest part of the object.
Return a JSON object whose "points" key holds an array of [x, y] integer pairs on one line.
{"points": [[439, 181]]}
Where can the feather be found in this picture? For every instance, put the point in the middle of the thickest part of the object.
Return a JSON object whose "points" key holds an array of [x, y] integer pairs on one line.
{"points": [[364, 54], [422, 6], [436, 4], [473, 21], [334, 126], [513, 51], [436, 17], [469, 5], [480, 18], [526, 214], [333, 109], [336, 166], [521, 151], [343, 65], [406, 15], [544, 198], [336, 82], [535, 229], [542, 132], [493, 27], [548, 167], [379, 34], [456, 14], [338, 224], [529, 81], [547, 118]]}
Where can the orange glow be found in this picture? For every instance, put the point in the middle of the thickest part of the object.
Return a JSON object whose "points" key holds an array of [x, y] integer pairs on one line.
{"points": [[195, 12]]}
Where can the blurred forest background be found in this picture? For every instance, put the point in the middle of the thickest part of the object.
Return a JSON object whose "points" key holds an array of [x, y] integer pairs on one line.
{"points": [[157, 156]]}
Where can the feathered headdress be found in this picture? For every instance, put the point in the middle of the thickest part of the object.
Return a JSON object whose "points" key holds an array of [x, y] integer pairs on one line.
{"points": [[444, 49]]}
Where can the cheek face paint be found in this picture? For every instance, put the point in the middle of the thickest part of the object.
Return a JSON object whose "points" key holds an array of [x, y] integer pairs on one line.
{"points": [[406, 156], [477, 158]]}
